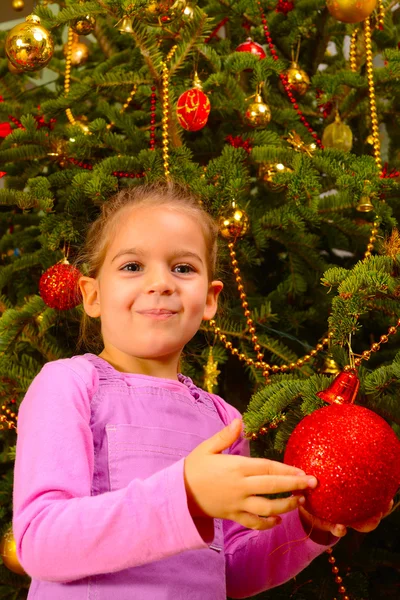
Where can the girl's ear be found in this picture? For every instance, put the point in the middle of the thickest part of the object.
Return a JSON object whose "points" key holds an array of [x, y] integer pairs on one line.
{"points": [[90, 295], [211, 306]]}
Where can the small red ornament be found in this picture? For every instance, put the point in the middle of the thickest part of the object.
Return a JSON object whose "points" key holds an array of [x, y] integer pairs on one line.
{"points": [[284, 6], [354, 454], [343, 389], [5, 129], [239, 142], [252, 47], [58, 286], [193, 107]]}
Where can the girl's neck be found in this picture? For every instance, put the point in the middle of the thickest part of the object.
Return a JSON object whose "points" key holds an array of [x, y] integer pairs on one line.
{"points": [[163, 368]]}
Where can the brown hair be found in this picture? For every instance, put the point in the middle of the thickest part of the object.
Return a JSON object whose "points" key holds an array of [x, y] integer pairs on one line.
{"points": [[101, 232]]}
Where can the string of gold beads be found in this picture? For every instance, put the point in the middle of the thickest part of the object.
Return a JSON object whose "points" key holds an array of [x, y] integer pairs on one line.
{"points": [[372, 239], [67, 80], [125, 105], [338, 578], [380, 21], [267, 428], [165, 111], [5, 421], [353, 51], [366, 355], [371, 90]]}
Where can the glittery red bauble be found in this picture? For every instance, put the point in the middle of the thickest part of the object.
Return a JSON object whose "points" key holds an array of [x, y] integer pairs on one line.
{"points": [[58, 286], [354, 454], [253, 47], [192, 109]]}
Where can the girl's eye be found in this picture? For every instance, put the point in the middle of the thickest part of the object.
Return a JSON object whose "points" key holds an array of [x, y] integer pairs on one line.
{"points": [[184, 269], [133, 267]]}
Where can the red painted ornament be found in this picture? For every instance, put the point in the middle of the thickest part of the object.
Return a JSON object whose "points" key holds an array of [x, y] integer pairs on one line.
{"points": [[252, 47], [343, 389], [354, 454], [58, 286], [193, 108]]}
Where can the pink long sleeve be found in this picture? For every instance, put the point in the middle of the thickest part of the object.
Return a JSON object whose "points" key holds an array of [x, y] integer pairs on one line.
{"points": [[61, 531]]}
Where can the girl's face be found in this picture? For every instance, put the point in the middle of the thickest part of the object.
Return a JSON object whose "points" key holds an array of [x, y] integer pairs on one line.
{"points": [[152, 291]]}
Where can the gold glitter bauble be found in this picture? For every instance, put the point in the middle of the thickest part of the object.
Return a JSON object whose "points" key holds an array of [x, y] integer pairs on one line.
{"points": [[83, 25], [338, 135], [258, 114], [79, 53], [8, 552], [161, 13], [29, 46], [233, 222], [18, 5], [267, 172], [351, 11], [13, 69], [298, 79]]}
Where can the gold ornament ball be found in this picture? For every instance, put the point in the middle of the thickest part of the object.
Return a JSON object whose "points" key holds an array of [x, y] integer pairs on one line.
{"points": [[79, 53], [13, 69], [267, 172], [258, 114], [18, 5], [233, 222], [338, 135], [29, 46], [83, 25], [351, 11], [297, 79], [162, 13], [8, 552]]}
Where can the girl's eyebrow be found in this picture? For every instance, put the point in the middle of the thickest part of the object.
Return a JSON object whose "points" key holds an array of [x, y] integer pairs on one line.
{"points": [[174, 254]]}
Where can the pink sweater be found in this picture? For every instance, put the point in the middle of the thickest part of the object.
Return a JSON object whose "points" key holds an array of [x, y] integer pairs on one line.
{"points": [[100, 508]]}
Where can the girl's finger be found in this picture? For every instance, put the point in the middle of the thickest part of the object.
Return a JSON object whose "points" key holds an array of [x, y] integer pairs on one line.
{"points": [[264, 507], [268, 484], [263, 466]]}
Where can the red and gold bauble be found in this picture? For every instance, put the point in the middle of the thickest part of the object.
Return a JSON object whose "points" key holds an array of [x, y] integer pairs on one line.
{"points": [[354, 454], [193, 108], [351, 11], [58, 286], [29, 46], [252, 47], [8, 552]]}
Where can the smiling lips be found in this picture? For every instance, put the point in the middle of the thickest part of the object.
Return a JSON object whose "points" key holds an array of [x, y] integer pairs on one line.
{"points": [[157, 313]]}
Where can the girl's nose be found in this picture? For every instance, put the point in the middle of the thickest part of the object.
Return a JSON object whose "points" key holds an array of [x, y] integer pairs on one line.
{"points": [[160, 281]]}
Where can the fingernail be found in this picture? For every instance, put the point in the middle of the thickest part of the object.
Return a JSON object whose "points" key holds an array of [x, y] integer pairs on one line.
{"points": [[300, 472], [301, 500], [312, 482]]}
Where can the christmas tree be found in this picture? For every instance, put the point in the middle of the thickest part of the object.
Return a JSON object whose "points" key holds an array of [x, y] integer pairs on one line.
{"points": [[281, 116]]}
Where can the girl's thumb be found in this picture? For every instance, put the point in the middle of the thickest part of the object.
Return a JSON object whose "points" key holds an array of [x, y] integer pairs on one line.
{"points": [[225, 438]]}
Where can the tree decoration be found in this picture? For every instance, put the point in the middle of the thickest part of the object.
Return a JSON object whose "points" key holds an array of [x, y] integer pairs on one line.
{"points": [[8, 552], [252, 47], [29, 46], [350, 11], [330, 366], [354, 454], [83, 25], [193, 107], [161, 13], [338, 135], [5, 129], [165, 111], [125, 25], [233, 222], [18, 5], [258, 114], [284, 6], [238, 142], [299, 146], [58, 286], [268, 171], [211, 372], [371, 90], [79, 52], [297, 79]]}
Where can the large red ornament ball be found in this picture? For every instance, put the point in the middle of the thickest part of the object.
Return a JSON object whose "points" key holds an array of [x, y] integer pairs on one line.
{"points": [[252, 47], [58, 286], [192, 109], [354, 454]]}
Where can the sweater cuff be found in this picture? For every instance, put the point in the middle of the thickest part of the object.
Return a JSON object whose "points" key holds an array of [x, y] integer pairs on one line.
{"points": [[195, 533]]}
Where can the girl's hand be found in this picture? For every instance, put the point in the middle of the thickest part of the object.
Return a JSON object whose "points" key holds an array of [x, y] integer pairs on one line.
{"points": [[320, 531], [229, 487]]}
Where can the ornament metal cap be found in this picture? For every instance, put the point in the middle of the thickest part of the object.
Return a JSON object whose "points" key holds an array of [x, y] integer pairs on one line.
{"points": [[343, 389]]}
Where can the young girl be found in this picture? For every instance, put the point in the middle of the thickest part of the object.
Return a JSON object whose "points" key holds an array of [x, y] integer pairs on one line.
{"points": [[130, 481]]}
